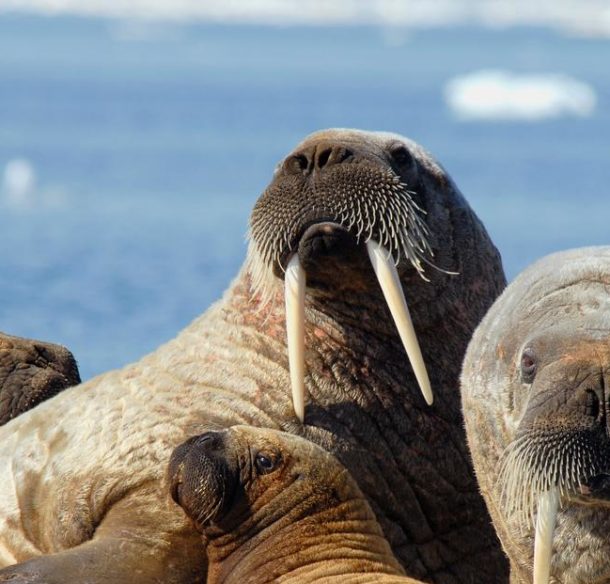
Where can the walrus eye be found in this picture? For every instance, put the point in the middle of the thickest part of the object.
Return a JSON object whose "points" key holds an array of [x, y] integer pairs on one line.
{"points": [[264, 464], [401, 155], [528, 366]]}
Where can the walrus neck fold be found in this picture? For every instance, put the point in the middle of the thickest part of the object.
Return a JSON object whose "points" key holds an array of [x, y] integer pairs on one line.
{"points": [[280, 544]]}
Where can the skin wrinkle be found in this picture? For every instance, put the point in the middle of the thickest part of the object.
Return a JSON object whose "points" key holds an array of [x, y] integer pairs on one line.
{"points": [[376, 418]]}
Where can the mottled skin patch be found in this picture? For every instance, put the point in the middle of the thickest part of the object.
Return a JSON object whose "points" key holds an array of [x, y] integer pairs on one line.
{"points": [[542, 420], [230, 367]]}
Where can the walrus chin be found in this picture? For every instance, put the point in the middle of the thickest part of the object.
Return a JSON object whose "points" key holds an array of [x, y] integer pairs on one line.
{"points": [[366, 202]]}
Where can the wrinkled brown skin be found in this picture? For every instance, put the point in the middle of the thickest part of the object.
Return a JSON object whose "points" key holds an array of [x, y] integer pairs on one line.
{"points": [[559, 310], [302, 521], [32, 371], [96, 448]]}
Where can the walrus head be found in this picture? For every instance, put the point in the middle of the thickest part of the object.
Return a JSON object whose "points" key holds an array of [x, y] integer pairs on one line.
{"points": [[342, 201], [222, 479], [274, 506], [32, 371], [537, 408]]}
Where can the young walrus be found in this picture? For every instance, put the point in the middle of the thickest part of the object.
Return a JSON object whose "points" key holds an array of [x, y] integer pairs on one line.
{"points": [[274, 507]]}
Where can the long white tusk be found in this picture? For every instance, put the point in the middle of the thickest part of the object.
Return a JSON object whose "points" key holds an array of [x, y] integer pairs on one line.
{"points": [[295, 282], [392, 290], [548, 504]]}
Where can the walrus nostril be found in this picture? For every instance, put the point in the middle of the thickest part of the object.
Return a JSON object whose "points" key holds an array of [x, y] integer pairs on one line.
{"points": [[209, 440], [296, 163], [329, 155], [323, 158]]}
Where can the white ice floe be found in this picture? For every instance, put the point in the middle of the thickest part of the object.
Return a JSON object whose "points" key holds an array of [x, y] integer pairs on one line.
{"points": [[589, 17], [20, 191], [501, 95], [18, 182]]}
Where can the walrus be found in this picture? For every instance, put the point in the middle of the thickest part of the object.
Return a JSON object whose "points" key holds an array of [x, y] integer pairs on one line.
{"points": [[32, 371], [273, 506], [535, 399], [80, 475]]}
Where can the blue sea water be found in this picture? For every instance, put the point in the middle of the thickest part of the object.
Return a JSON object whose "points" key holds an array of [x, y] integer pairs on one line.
{"points": [[151, 143]]}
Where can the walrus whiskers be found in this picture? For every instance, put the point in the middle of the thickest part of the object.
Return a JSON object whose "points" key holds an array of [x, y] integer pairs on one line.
{"points": [[535, 473], [532, 466]]}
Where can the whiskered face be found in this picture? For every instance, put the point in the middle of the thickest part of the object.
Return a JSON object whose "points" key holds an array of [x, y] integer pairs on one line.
{"points": [[223, 478], [543, 377], [563, 436], [342, 202]]}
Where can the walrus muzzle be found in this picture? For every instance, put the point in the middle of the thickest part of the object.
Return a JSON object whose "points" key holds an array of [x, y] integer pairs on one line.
{"points": [[342, 192], [203, 477]]}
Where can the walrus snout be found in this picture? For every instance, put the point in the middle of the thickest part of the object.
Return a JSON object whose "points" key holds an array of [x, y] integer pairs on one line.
{"points": [[569, 394], [202, 476], [563, 437]]}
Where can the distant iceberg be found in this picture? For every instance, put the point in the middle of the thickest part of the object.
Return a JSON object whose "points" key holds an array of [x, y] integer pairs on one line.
{"points": [[18, 182], [589, 17], [19, 189], [501, 95]]}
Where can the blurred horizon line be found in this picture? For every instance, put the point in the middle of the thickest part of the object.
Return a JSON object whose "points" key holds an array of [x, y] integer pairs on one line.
{"points": [[589, 18]]}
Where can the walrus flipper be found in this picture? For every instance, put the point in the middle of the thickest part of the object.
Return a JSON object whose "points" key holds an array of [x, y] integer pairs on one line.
{"points": [[30, 372], [104, 561], [128, 547]]}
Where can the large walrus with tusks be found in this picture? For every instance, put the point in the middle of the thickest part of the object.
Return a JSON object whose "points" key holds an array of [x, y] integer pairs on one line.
{"points": [[536, 404], [350, 220]]}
